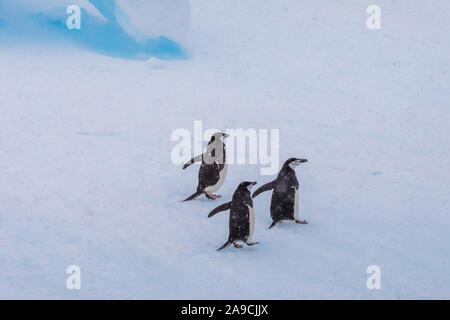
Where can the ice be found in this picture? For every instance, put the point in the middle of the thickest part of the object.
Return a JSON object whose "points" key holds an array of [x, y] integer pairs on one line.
{"points": [[125, 28], [144, 18]]}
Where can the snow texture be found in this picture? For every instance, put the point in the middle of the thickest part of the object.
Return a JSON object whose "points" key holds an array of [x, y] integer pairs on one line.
{"points": [[86, 176]]}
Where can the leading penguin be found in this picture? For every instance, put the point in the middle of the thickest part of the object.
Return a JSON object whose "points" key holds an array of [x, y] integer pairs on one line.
{"points": [[285, 196], [242, 216], [213, 169]]}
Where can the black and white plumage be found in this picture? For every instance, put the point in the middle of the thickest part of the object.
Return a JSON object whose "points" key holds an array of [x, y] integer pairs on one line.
{"points": [[242, 216], [285, 196], [213, 169]]}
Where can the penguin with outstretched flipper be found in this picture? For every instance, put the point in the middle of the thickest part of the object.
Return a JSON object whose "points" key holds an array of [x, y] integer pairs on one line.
{"points": [[285, 196], [213, 169]]}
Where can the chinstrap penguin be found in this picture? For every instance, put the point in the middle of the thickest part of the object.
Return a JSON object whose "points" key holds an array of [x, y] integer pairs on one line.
{"points": [[213, 169], [285, 196], [242, 216]]}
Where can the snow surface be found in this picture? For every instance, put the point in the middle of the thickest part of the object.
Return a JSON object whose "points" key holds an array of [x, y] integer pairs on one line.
{"points": [[86, 176]]}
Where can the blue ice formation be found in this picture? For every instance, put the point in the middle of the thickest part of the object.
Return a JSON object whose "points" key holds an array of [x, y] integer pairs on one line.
{"points": [[105, 37]]}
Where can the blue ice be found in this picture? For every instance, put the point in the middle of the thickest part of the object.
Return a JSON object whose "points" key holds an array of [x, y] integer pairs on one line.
{"points": [[107, 38]]}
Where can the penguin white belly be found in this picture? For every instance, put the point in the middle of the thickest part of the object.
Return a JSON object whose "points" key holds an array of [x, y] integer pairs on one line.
{"points": [[222, 175], [296, 208], [251, 217]]}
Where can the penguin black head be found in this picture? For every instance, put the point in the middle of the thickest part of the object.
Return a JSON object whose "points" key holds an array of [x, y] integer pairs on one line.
{"points": [[216, 136], [246, 185], [294, 162]]}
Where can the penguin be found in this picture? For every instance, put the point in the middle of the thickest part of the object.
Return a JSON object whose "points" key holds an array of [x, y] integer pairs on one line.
{"points": [[242, 216], [285, 196], [213, 169]]}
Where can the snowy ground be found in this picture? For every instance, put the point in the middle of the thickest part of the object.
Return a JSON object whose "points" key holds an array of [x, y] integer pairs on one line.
{"points": [[86, 176]]}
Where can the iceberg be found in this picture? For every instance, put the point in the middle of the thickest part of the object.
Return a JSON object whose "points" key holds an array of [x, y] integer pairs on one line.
{"points": [[143, 18], [135, 29]]}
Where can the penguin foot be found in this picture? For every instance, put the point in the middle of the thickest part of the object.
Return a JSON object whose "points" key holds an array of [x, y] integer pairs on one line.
{"points": [[251, 243], [212, 196], [301, 221], [239, 246]]}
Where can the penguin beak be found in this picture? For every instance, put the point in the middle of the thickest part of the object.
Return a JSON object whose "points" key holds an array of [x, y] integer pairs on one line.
{"points": [[224, 135], [250, 185], [296, 162]]}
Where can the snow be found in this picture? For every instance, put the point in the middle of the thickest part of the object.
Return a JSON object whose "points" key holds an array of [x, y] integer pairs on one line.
{"points": [[155, 63], [86, 176]]}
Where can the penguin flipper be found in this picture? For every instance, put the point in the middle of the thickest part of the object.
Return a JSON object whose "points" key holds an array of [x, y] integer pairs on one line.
{"points": [[220, 208], [226, 244], [194, 196], [263, 188], [193, 160]]}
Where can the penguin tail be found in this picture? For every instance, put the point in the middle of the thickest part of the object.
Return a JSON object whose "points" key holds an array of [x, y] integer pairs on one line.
{"points": [[226, 244], [194, 196], [273, 224]]}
